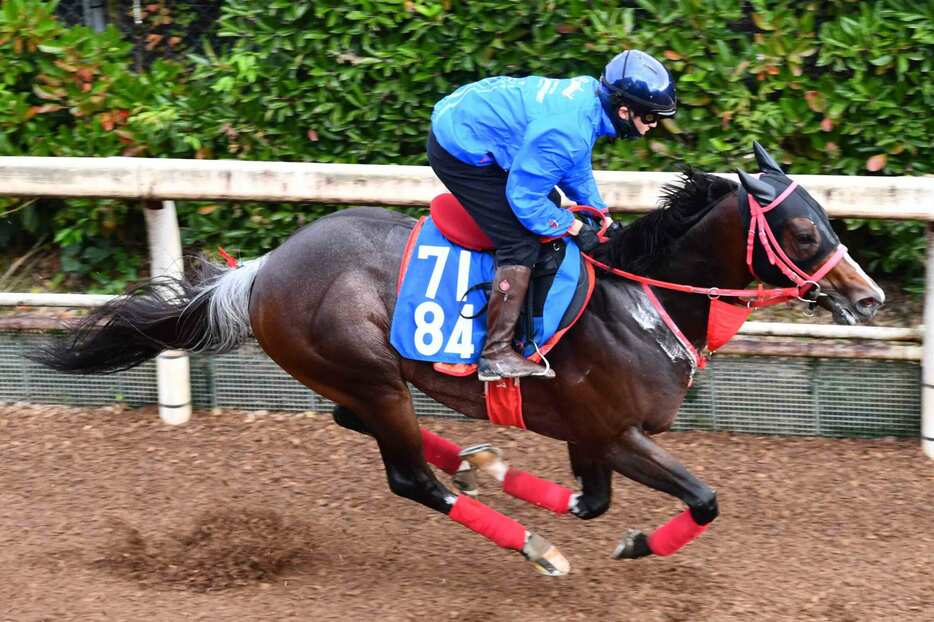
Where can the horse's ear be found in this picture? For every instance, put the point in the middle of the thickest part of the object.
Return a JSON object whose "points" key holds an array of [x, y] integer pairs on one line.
{"points": [[766, 162], [763, 192]]}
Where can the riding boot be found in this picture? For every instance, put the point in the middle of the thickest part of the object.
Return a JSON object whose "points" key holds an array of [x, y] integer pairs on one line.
{"points": [[499, 359]]}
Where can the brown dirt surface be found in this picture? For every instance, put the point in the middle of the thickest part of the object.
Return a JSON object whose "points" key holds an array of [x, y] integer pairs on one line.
{"points": [[107, 514]]}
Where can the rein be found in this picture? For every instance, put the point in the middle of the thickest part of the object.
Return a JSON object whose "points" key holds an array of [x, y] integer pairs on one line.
{"points": [[772, 296], [722, 317]]}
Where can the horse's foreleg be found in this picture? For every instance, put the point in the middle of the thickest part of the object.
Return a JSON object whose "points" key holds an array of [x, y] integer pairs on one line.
{"points": [[595, 478], [518, 483], [638, 458]]}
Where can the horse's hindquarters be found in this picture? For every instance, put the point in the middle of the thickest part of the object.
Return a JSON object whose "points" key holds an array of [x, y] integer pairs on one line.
{"points": [[322, 303]]}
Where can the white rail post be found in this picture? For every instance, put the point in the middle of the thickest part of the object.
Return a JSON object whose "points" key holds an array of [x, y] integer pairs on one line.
{"points": [[172, 368], [927, 363]]}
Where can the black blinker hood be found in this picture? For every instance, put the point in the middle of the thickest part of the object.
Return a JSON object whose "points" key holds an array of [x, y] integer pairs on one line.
{"points": [[798, 204]]}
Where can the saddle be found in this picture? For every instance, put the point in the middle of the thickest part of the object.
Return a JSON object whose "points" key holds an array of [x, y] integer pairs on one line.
{"points": [[459, 227], [444, 285]]}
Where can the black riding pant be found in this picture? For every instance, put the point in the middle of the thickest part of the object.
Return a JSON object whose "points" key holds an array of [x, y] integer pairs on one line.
{"points": [[482, 192]]}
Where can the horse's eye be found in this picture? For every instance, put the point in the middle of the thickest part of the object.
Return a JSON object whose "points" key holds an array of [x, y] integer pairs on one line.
{"points": [[806, 238]]}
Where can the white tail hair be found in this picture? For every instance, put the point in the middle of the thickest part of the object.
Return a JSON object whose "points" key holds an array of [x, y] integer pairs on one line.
{"points": [[228, 298]]}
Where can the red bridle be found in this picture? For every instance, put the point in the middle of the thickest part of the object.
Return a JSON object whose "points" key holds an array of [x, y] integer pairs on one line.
{"points": [[754, 298], [773, 250]]}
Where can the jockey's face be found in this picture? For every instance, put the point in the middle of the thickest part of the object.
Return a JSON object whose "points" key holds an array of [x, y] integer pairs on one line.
{"points": [[640, 125]]}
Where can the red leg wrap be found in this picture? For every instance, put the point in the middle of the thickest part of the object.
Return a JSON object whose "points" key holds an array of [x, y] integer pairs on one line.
{"points": [[541, 492], [487, 522], [674, 534], [441, 452]]}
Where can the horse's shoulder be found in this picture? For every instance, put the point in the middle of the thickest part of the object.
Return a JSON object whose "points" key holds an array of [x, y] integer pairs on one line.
{"points": [[634, 323]]}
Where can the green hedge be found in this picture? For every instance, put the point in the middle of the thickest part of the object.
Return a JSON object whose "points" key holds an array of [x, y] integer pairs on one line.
{"points": [[72, 92], [832, 87]]}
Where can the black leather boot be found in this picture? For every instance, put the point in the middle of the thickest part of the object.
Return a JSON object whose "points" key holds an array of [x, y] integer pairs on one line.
{"points": [[499, 359]]}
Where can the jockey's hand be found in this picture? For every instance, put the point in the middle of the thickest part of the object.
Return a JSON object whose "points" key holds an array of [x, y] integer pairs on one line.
{"points": [[613, 228], [586, 238]]}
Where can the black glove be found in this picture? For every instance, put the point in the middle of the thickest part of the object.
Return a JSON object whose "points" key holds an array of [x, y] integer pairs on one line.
{"points": [[587, 239], [613, 230]]}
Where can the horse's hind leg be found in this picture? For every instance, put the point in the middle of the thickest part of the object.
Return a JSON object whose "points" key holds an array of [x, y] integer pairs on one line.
{"points": [[639, 459], [391, 420], [346, 418], [438, 451], [341, 351]]}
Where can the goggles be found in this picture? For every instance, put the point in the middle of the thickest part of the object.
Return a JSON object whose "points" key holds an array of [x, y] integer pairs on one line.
{"points": [[651, 117]]}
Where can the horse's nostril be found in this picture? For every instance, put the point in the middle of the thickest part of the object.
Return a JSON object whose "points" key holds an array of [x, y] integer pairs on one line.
{"points": [[869, 303]]}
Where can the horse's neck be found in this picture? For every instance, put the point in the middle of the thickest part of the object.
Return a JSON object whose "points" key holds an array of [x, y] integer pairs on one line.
{"points": [[710, 254]]}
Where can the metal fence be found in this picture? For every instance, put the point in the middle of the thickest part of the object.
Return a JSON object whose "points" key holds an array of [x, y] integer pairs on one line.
{"points": [[760, 395]]}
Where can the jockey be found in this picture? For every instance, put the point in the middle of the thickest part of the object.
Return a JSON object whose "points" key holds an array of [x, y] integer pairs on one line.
{"points": [[502, 144]]}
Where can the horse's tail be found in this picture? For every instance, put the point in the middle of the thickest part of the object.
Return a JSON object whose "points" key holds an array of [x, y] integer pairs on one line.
{"points": [[209, 313]]}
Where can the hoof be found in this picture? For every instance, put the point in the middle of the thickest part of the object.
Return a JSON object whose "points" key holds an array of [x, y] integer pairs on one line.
{"points": [[473, 450], [483, 457], [635, 544], [545, 557], [465, 480]]}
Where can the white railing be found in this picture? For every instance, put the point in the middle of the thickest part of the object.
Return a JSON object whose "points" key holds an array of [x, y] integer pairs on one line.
{"points": [[899, 198]]}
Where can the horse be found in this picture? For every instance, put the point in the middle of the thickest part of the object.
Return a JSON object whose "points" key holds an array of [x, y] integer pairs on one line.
{"points": [[320, 306]]}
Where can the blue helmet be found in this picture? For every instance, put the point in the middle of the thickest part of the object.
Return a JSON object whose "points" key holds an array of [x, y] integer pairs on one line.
{"points": [[636, 80]]}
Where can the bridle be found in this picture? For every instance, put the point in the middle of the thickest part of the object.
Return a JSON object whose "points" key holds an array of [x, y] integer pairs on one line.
{"points": [[759, 228], [805, 287]]}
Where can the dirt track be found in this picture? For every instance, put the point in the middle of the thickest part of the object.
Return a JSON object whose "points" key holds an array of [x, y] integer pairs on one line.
{"points": [[109, 515]]}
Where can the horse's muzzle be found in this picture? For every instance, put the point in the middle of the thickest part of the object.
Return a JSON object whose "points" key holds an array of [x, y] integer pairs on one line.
{"points": [[846, 310], [850, 294]]}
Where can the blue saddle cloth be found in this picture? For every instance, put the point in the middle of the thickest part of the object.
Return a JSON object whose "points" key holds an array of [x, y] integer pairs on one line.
{"points": [[445, 287]]}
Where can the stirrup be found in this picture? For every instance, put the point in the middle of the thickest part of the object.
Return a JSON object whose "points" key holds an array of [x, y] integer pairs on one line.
{"points": [[489, 373], [488, 376]]}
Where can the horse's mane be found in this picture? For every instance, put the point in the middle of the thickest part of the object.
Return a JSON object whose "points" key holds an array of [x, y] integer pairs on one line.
{"points": [[648, 240]]}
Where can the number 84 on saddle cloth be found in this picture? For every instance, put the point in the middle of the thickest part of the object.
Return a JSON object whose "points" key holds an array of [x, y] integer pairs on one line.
{"points": [[440, 312]]}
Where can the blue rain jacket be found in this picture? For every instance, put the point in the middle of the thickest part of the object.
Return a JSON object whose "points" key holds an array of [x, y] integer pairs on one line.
{"points": [[540, 130]]}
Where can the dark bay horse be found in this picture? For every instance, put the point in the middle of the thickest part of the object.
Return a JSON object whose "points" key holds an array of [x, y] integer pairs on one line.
{"points": [[320, 306]]}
